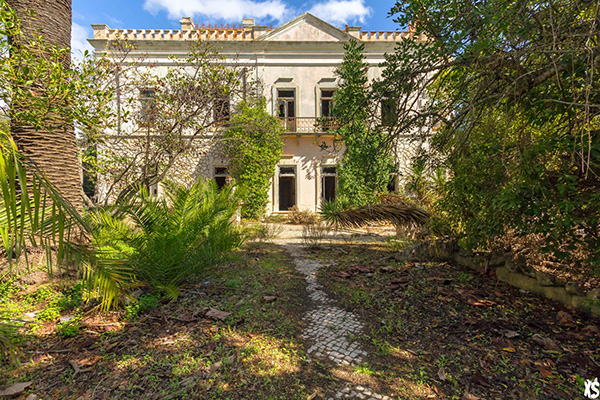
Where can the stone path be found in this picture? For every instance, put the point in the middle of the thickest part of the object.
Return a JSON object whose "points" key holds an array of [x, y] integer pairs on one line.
{"points": [[331, 330]]}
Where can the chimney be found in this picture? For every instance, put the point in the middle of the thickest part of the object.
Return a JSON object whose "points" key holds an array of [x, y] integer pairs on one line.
{"points": [[353, 31], [248, 22], [100, 31], [186, 24]]}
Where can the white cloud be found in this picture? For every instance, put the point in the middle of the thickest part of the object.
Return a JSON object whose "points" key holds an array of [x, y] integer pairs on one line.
{"points": [[79, 44], [232, 10], [341, 11]]}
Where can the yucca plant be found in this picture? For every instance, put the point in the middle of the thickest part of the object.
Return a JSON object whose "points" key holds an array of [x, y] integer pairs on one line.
{"points": [[174, 238]]}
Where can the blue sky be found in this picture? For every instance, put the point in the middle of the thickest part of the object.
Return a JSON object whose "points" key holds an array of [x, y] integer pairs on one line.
{"points": [[165, 14]]}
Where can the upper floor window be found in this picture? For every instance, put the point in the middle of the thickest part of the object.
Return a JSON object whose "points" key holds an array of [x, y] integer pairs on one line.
{"points": [[147, 106], [388, 112], [286, 108], [327, 101], [221, 110]]}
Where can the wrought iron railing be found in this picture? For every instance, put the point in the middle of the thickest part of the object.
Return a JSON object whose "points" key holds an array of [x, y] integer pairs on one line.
{"points": [[308, 125]]}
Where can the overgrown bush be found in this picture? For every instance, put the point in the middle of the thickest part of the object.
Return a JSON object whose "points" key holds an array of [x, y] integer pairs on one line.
{"points": [[301, 217], [367, 162], [144, 303], [173, 239]]}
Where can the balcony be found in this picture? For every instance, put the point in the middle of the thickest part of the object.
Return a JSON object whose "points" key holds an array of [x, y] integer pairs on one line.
{"points": [[308, 125]]}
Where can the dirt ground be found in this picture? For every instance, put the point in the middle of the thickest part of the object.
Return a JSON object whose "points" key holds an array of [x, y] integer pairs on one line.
{"points": [[433, 330]]}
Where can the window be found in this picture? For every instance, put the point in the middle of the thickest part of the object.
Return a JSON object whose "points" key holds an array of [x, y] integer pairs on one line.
{"points": [[388, 112], [221, 111], [153, 190], [286, 108], [287, 188], [221, 176], [327, 102], [392, 186], [329, 183], [147, 107]]}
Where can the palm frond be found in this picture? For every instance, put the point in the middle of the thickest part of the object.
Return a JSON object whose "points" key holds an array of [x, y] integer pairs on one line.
{"points": [[397, 213]]}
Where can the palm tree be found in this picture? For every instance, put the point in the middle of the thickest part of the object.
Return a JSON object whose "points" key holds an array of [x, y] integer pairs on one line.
{"points": [[52, 148]]}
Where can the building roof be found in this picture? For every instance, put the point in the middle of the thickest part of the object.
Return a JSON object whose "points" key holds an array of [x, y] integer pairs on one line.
{"points": [[303, 28]]}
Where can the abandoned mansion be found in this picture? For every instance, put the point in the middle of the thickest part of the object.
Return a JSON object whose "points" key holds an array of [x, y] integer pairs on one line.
{"points": [[295, 64]]}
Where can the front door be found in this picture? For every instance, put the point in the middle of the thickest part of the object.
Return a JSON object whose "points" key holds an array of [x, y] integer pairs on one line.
{"points": [[287, 188], [328, 183]]}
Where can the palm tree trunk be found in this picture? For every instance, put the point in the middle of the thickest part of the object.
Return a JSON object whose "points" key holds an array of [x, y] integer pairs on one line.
{"points": [[53, 149]]}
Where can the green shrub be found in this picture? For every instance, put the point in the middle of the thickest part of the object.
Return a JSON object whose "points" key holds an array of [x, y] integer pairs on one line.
{"points": [[254, 147], [69, 328], [71, 298], [140, 306], [7, 288], [170, 240], [9, 351]]}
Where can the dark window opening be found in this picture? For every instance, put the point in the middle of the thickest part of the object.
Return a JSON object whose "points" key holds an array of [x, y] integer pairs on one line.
{"points": [[329, 182], [221, 110], [286, 108], [221, 176], [327, 102], [287, 188], [392, 186], [148, 107], [388, 112]]}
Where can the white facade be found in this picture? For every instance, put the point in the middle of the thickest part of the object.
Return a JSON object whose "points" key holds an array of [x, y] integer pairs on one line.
{"points": [[295, 63]]}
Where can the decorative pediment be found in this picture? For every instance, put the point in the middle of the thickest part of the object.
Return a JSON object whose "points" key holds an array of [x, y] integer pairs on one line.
{"points": [[306, 28]]}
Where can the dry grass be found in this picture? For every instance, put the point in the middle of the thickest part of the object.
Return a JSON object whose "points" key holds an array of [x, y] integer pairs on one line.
{"points": [[301, 217]]}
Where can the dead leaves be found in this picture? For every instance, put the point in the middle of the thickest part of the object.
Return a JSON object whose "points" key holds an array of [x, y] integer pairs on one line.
{"points": [[13, 390], [545, 342], [217, 314]]}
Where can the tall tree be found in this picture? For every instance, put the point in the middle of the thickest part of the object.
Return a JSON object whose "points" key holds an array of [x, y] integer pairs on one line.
{"points": [[50, 144], [367, 162], [514, 89]]}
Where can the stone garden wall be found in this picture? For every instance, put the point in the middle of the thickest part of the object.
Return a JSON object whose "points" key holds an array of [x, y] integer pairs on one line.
{"points": [[515, 272]]}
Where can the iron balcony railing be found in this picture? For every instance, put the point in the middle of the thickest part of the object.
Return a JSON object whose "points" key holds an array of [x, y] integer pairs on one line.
{"points": [[308, 125]]}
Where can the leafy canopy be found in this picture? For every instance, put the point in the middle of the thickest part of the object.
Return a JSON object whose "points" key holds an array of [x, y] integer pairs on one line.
{"points": [[513, 88]]}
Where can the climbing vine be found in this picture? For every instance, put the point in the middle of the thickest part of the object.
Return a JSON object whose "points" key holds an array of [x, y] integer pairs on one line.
{"points": [[254, 146]]}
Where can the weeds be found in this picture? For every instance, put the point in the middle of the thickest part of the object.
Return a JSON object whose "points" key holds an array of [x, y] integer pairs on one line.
{"points": [[267, 231], [140, 306], [313, 233], [302, 217]]}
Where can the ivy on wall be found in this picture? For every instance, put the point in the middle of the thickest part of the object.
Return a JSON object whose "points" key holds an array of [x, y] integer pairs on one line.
{"points": [[254, 146]]}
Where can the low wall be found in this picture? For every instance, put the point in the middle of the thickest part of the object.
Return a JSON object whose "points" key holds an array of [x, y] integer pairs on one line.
{"points": [[515, 272]]}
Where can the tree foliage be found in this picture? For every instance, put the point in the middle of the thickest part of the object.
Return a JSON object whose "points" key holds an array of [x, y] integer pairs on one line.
{"points": [[367, 163], [159, 116], [254, 146], [514, 90]]}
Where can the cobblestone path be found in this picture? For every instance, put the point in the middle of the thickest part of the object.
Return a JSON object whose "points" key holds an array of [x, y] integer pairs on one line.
{"points": [[331, 331]]}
